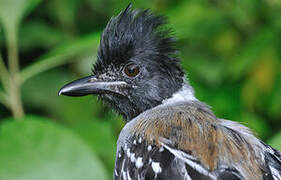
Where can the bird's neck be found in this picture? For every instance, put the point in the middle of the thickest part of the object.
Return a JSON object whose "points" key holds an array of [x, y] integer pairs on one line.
{"points": [[186, 93]]}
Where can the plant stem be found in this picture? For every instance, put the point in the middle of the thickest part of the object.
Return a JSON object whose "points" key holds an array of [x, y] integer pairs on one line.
{"points": [[12, 50], [13, 61]]}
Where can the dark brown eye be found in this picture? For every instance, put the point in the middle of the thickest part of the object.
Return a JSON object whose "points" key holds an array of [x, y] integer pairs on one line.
{"points": [[131, 70]]}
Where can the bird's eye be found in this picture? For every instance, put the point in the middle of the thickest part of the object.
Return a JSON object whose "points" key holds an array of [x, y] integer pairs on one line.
{"points": [[131, 70]]}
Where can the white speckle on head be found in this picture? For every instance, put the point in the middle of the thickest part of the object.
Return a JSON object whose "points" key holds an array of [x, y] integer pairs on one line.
{"points": [[139, 162], [140, 140], [115, 172], [135, 142], [161, 149], [133, 157], [184, 94], [149, 148], [128, 152], [156, 167]]}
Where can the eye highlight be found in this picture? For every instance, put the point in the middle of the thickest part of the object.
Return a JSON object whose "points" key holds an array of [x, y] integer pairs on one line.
{"points": [[131, 70]]}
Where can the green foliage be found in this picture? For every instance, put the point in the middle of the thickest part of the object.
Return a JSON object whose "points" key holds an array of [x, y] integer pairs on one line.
{"points": [[230, 50], [275, 141], [60, 55], [12, 11], [36, 148]]}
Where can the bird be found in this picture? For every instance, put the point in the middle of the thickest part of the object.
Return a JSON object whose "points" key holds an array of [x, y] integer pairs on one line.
{"points": [[168, 132]]}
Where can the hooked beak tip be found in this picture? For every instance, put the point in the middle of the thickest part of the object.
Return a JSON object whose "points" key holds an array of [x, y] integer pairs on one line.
{"points": [[60, 92]]}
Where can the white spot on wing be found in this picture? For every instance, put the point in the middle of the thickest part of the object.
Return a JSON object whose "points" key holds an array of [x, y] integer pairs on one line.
{"points": [[149, 148], [119, 155], [161, 149], [188, 159], [139, 162], [122, 171], [156, 167], [135, 142], [133, 157], [128, 175], [116, 174], [275, 173], [140, 140], [128, 152]]}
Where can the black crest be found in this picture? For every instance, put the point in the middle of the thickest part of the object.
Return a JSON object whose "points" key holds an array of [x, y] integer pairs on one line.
{"points": [[133, 32]]}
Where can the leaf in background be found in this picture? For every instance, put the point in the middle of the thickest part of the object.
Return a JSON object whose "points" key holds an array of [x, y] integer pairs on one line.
{"points": [[274, 106], [250, 52], [82, 114], [42, 92], [264, 71], [201, 21], [241, 14], [259, 80], [205, 68], [39, 34], [99, 135], [256, 123], [65, 12], [275, 141], [250, 94], [225, 43], [12, 11], [35, 149], [61, 55]]}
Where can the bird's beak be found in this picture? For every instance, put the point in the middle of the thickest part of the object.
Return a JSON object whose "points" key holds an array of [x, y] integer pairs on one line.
{"points": [[93, 85]]}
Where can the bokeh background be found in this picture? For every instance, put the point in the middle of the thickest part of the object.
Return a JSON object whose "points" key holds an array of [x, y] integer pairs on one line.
{"points": [[231, 51]]}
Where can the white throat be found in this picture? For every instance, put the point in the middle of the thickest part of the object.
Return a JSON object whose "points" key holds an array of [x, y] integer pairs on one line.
{"points": [[186, 93]]}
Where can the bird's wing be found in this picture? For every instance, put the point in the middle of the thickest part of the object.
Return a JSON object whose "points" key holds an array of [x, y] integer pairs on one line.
{"points": [[142, 160], [273, 163], [184, 142], [147, 161]]}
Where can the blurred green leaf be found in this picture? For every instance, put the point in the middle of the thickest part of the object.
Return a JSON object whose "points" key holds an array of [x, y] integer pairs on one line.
{"points": [[201, 21], [61, 55], [36, 149], [42, 92], [259, 125], [12, 11], [209, 70], [65, 11], [38, 34], [250, 52], [275, 141], [274, 106], [99, 136]]}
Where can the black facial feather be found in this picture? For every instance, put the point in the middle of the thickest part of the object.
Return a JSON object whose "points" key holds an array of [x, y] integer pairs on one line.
{"points": [[139, 37]]}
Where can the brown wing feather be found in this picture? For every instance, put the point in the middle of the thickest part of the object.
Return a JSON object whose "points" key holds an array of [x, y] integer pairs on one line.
{"points": [[193, 129]]}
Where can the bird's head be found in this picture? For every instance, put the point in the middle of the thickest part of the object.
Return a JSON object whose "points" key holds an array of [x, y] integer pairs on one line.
{"points": [[137, 65]]}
